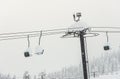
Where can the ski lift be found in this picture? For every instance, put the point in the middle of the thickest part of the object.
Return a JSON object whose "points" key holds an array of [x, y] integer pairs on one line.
{"points": [[39, 50], [28, 51], [107, 46]]}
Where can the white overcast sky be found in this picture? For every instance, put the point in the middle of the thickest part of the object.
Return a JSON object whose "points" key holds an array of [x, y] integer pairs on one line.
{"points": [[31, 15]]}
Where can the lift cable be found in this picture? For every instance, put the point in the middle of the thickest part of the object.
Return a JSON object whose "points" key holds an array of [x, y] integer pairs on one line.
{"points": [[107, 37], [40, 37], [92, 30], [28, 41]]}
